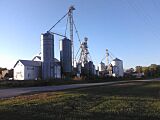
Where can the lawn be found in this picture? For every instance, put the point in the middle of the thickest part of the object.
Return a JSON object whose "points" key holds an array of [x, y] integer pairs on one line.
{"points": [[127, 101], [51, 82]]}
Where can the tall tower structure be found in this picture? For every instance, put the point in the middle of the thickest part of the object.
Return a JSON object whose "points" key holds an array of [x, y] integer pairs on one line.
{"points": [[47, 55], [84, 52], [107, 57], [71, 22]]}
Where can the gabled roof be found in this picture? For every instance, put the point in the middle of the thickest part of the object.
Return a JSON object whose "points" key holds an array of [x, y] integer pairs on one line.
{"points": [[116, 59], [39, 57], [29, 63]]}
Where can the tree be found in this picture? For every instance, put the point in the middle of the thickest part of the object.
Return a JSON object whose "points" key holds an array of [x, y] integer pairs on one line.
{"points": [[145, 70], [139, 69]]}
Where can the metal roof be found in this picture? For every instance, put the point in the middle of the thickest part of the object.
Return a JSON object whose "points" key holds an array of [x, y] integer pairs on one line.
{"points": [[39, 57], [35, 63], [116, 59], [29, 63]]}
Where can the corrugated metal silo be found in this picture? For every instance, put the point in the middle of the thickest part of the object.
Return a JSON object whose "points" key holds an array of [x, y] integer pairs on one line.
{"points": [[117, 65], [47, 55], [91, 67], [66, 55]]}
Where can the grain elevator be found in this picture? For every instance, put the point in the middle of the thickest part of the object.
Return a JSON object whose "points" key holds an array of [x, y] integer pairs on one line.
{"points": [[47, 54]]}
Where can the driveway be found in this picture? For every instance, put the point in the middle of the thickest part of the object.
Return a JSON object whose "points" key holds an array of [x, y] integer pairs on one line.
{"points": [[11, 92]]}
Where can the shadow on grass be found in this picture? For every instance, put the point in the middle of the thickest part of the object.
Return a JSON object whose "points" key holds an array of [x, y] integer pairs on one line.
{"points": [[112, 102], [137, 89]]}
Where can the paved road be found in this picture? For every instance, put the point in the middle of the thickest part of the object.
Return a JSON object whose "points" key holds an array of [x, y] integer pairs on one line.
{"points": [[6, 93]]}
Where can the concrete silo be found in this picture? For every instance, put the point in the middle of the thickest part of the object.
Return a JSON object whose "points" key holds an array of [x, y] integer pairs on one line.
{"points": [[117, 68], [66, 56], [47, 55]]}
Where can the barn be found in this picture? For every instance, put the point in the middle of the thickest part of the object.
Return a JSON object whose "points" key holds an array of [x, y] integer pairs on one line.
{"points": [[32, 69], [27, 70]]}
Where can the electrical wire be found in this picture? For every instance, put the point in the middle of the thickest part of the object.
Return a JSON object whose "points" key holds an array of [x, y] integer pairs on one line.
{"points": [[58, 21], [66, 26], [103, 58], [109, 55], [76, 31], [77, 52]]}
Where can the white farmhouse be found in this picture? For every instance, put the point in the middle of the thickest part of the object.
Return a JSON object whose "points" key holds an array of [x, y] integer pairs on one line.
{"points": [[27, 70]]}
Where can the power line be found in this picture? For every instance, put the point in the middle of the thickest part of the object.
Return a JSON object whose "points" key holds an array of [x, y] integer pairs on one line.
{"points": [[58, 21], [66, 26], [76, 31]]}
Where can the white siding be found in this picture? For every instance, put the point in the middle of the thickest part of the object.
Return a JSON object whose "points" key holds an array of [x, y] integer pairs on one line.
{"points": [[22, 72], [117, 68], [19, 71]]}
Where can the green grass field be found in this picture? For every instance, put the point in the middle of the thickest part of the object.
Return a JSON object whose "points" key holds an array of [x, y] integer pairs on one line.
{"points": [[127, 101], [51, 82]]}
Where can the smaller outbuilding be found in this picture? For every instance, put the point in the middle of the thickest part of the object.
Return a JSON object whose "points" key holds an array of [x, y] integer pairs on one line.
{"points": [[32, 69], [117, 68], [27, 70]]}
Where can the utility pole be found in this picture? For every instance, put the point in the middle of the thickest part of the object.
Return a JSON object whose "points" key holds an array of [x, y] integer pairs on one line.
{"points": [[70, 15]]}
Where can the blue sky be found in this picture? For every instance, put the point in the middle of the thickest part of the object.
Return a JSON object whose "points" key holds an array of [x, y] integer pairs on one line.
{"points": [[130, 29]]}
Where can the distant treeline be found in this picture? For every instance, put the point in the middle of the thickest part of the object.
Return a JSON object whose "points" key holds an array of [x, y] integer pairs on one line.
{"points": [[151, 71]]}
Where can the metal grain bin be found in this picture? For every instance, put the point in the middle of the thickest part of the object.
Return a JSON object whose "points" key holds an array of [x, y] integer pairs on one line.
{"points": [[66, 55], [47, 52]]}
